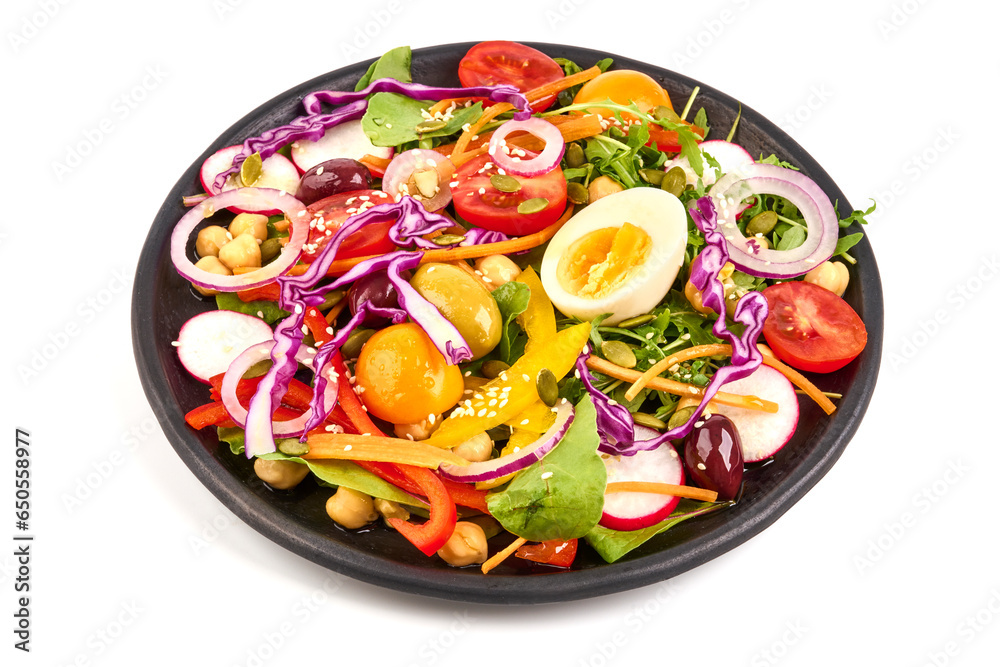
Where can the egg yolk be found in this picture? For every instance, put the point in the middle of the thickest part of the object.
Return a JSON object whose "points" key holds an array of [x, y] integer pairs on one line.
{"points": [[402, 378], [599, 262]]}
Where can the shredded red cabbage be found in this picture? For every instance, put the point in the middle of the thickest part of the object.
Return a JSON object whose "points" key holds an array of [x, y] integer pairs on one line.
{"points": [[314, 124], [751, 311]]}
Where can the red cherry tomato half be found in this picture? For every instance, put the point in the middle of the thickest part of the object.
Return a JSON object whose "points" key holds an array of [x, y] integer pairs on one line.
{"points": [[811, 328], [525, 68], [560, 553], [372, 239], [478, 202]]}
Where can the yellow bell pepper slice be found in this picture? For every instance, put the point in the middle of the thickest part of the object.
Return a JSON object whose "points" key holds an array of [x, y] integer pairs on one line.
{"points": [[539, 318], [518, 438]]}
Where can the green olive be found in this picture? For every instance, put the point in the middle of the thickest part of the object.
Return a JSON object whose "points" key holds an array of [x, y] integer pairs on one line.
{"points": [[464, 302]]}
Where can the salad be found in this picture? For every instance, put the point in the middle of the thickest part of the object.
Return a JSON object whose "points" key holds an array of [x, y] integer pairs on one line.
{"points": [[507, 319]]}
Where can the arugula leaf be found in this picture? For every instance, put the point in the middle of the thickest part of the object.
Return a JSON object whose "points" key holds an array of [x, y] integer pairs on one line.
{"points": [[392, 119], [701, 120], [269, 311], [856, 216], [845, 243], [773, 159], [613, 544], [561, 496], [512, 300], [394, 64], [793, 238]]}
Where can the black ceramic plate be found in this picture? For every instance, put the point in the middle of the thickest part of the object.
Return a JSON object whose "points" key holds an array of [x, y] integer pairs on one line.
{"points": [[162, 301]]}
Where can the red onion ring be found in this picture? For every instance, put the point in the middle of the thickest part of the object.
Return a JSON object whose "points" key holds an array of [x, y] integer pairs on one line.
{"points": [[511, 463], [540, 164], [247, 199], [814, 205], [255, 354], [398, 173]]}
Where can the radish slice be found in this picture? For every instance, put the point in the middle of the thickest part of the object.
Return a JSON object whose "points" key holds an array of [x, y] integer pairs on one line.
{"points": [[632, 511], [729, 156], [260, 352], [763, 433], [208, 343], [344, 140], [277, 172]]}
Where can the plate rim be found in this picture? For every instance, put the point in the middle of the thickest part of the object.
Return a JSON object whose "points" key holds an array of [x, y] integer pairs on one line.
{"points": [[456, 584]]}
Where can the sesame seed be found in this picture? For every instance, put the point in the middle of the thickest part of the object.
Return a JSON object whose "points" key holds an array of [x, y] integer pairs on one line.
{"points": [[546, 475], [481, 413], [348, 448], [492, 414], [525, 422]]}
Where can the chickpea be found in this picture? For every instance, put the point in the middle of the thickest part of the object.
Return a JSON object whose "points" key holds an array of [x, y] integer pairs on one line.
{"points": [[391, 510], [693, 294], [497, 270], [761, 242], [350, 508], [830, 275], [280, 474], [254, 223], [212, 265], [242, 251], [477, 448], [466, 546], [421, 430], [210, 240], [602, 186]]}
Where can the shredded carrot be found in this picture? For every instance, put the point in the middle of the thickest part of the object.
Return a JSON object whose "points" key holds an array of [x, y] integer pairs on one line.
{"points": [[679, 388], [375, 163], [501, 556], [518, 244], [676, 358], [282, 225], [562, 84], [666, 489], [458, 156], [796, 378], [572, 128], [376, 448], [336, 310]]}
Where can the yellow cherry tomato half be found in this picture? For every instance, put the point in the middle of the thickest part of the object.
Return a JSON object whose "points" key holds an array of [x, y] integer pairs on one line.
{"points": [[402, 378], [623, 86]]}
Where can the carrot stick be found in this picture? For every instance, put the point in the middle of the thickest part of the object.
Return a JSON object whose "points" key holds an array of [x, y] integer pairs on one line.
{"points": [[667, 489], [376, 164], [376, 448], [336, 310], [501, 556], [800, 381], [676, 358], [679, 388], [572, 128], [458, 156], [562, 84], [527, 242]]}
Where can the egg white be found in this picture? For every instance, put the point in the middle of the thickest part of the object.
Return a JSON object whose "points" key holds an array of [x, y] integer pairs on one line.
{"points": [[657, 212]]}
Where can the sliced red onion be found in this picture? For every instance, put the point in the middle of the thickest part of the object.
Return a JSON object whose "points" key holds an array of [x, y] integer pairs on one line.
{"points": [[510, 158], [511, 463], [257, 353], [817, 211], [405, 169], [247, 199], [730, 157]]}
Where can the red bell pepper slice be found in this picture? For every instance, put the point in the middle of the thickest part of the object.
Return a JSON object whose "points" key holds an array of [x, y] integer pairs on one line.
{"points": [[318, 326], [298, 396], [560, 553], [432, 534], [215, 414], [266, 292]]}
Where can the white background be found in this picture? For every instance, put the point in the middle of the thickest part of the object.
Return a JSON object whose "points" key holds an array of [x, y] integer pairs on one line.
{"points": [[889, 560]]}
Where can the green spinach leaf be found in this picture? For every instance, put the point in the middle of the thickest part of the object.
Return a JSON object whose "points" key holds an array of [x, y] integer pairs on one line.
{"points": [[512, 300], [394, 64], [561, 496], [392, 119], [269, 311]]}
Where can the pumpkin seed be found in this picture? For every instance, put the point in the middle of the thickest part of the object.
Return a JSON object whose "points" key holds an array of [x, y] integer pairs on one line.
{"points": [[548, 389], [251, 169], [332, 299], [492, 368], [762, 223], [652, 176], [649, 421], [665, 113], [681, 416], [576, 193], [269, 249], [505, 183], [618, 353], [575, 156], [448, 239], [352, 346], [430, 126], [533, 205], [674, 181], [636, 321], [292, 447]]}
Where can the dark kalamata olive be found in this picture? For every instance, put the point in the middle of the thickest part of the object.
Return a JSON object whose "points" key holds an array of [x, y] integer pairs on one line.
{"points": [[377, 289], [333, 177], [714, 457]]}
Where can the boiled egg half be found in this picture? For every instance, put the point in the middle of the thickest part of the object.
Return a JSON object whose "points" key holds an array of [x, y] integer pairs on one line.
{"points": [[619, 255]]}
